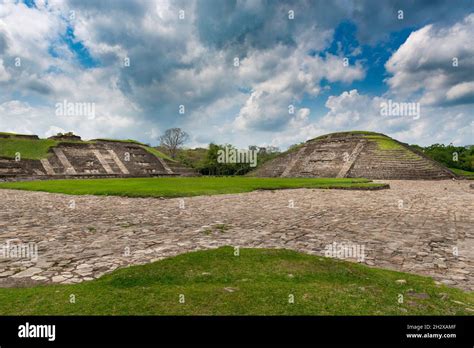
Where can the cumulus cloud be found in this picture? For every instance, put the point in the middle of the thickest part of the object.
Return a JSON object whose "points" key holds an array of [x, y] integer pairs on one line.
{"points": [[15, 107], [281, 77], [26, 33], [462, 92], [436, 62]]}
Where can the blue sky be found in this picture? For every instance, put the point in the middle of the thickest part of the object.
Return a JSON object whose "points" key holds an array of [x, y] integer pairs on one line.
{"points": [[376, 55], [74, 51], [80, 51]]}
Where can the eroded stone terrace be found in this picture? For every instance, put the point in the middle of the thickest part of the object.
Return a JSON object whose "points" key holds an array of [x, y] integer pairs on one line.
{"points": [[100, 234]]}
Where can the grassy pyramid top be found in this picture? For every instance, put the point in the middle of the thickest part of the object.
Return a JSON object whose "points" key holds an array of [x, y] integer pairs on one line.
{"points": [[383, 141]]}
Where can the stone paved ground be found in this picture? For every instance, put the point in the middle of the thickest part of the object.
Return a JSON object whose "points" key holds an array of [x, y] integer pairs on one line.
{"points": [[415, 226]]}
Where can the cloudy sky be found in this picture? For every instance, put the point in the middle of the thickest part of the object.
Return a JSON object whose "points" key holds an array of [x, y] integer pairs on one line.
{"points": [[245, 72]]}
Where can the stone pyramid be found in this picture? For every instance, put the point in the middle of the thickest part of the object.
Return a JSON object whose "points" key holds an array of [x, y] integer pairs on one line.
{"points": [[354, 154], [99, 158]]}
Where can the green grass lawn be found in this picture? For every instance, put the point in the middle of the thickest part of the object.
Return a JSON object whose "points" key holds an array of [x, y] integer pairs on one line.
{"points": [[464, 173], [257, 282], [28, 148], [181, 186]]}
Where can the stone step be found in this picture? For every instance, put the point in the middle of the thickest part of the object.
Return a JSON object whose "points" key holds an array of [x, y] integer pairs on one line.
{"points": [[11, 170], [10, 165], [376, 165]]}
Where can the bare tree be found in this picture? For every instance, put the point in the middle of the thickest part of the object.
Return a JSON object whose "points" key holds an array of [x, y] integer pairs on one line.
{"points": [[173, 139]]}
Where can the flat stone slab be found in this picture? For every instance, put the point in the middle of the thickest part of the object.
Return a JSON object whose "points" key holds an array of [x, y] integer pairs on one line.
{"points": [[422, 227], [28, 273]]}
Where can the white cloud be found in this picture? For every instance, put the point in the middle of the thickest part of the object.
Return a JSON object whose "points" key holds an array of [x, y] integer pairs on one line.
{"points": [[4, 75], [53, 130], [29, 32], [281, 77], [15, 108], [426, 63], [461, 91]]}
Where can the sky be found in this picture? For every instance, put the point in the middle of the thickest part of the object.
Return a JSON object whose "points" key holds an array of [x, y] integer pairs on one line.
{"points": [[244, 72]]}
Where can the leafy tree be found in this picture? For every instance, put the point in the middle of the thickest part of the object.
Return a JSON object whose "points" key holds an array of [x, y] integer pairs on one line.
{"points": [[211, 166], [460, 157]]}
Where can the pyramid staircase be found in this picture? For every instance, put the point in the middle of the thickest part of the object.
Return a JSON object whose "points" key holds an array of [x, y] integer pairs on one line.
{"points": [[395, 163]]}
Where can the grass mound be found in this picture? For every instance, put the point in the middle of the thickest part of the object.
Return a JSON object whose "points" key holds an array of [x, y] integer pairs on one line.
{"points": [[257, 282], [157, 153], [36, 149], [28, 148], [7, 134], [348, 133], [385, 143], [463, 173], [182, 186]]}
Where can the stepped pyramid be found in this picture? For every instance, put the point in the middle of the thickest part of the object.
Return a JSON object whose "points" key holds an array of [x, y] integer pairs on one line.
{"points": [[100, 158], [354, 154]]}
